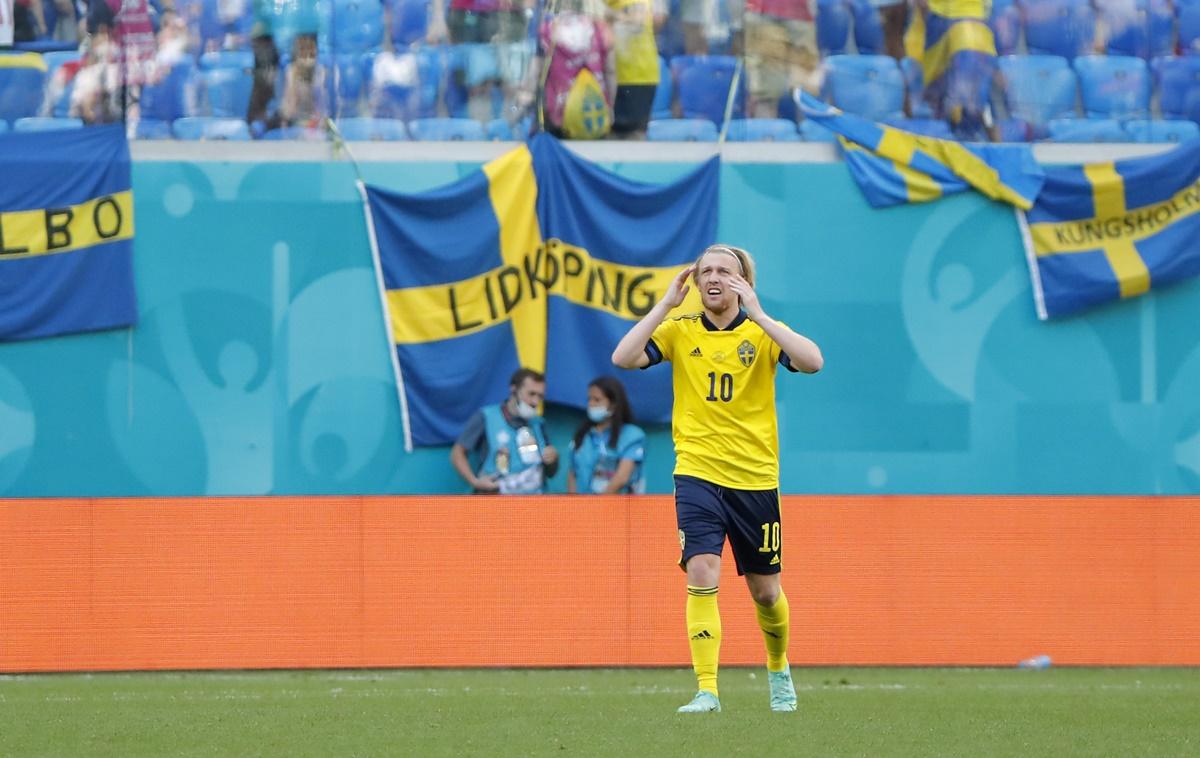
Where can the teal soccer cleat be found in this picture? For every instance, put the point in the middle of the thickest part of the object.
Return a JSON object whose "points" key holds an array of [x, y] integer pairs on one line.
{"points": [[703, 702], [783, 694]]}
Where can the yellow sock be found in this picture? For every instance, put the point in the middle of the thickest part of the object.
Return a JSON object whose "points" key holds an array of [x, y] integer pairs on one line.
{"points": [[773, 621], [704, 634]]}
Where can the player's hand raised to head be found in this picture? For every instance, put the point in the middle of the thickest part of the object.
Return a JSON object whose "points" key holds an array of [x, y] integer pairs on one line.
{"points": [[679, 288], [748, 296]]}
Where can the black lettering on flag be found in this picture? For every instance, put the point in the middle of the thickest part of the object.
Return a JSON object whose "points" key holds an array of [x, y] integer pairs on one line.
{"points": [[58, 235], [97, 217], [4, 248], [645, 297], [509, 281], [459, 324]]}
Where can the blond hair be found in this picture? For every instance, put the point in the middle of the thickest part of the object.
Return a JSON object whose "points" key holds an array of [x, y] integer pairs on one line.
{"points": [[743, 258]]}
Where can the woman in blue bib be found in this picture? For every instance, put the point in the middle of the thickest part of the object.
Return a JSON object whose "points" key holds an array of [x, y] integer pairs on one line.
{"points": [[606, 454]]}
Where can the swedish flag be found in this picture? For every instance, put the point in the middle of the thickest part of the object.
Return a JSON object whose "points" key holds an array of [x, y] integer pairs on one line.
{"points": [[892, 166], [1106, 231], [66, 233], [539, 260]]}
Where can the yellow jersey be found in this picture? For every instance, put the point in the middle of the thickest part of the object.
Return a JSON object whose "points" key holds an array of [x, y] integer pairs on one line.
{"points": [[723, 420]]}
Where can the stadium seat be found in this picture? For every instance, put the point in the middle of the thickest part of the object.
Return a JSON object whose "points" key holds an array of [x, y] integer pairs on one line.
{"points": [[410, 21], [868, 29], [682, 130], [209, 128], [1059, 27], [372, 130], [56, 58], [1114, 86], [152, 128], [1087, 130], [295, 134], [663, 93], [926, 127], [237, 59], [833, 26], [1187, 16], [811, 131], [408, 85], [3, 126], [1014, 130], [227, 91], [21, 92], [762, 130], [703, 85], [46, 124], [914, 83], [870, 86], [1038, 88], [498, 130], [1179, 86], [1141, 28], [358, 25], [1162, 130], [446, 129], [167, 99], [1005, 22]]}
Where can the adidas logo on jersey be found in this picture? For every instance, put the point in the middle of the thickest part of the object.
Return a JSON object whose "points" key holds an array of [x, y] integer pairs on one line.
{"points": [[775, 560], [696, 353], [702, 635]]}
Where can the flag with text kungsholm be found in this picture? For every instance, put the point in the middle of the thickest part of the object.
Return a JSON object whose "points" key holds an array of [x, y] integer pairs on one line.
{"points": [[66, 233], [1102, 232]]}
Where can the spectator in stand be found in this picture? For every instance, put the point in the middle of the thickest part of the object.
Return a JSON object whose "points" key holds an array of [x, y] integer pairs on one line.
{"points": [[96, 91], [503, 25], [959, 61], [304, 101], [637, 66], [578, 72], [266, 62], [132, 47], [66, 25], [29, 21], [893, 17], [781, 52]]}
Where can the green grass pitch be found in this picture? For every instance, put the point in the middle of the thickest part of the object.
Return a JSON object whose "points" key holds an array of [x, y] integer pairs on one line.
{"points": [[853, 711]]}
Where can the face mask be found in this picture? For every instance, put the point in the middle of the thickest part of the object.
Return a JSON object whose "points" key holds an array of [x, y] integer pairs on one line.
{"points": [[598, 413], [525, 410]]}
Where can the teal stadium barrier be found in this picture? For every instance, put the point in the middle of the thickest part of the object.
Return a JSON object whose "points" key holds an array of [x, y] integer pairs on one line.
{"points": [[260, 364]]}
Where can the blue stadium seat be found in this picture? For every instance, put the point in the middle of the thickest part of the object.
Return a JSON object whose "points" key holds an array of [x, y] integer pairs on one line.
{"points": [[1038, 88], [1005, 22], [1014, 130], [295, 134], [811, 131], [664, 92], [46, 124], [21, 92], [410, 21], [372, 130], [1162, 130], [446, 129], [167, 99], [703, 85], [209, 128], [833, 26], [56, 58], [762, 130], [868, 28], [1059, 27], [498, 130], [870, 86], [227, 91], [348, 69], [152, 128], [682, 130], [1187, 14], [1114, 86], [1087, 130], [413, 85], [239, 59], [357, 25], [926, 127], [3, 126], [914, 82], [1179, 86], [1141, 28]]}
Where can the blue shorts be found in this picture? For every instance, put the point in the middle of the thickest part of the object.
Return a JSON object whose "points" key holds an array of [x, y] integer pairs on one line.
{"points": [[707, 513]]}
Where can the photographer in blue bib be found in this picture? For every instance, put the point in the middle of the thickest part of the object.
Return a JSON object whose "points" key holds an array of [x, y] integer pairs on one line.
{"points": [[607, 451], [504, 448]]}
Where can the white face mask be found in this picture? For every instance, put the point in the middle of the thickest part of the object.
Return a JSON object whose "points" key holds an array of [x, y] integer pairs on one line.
{"points": [[598, 413], [525, 410]]}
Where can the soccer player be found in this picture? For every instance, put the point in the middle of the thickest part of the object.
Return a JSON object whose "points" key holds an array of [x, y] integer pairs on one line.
{"points": [[724, 427]]}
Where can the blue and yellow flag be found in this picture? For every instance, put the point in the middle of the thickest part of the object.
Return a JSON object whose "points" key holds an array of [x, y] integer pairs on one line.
{"points": [[538, 260], [1106, 231], [66, 233], [892, 166]]}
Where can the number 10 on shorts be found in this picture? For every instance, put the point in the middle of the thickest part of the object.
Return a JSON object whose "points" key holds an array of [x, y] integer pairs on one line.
{"points": [[770, 542]]}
